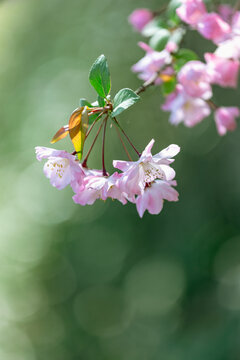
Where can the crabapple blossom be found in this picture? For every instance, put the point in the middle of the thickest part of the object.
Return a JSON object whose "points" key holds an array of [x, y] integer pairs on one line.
{"points": [[191, 11], [236, 23], [151, 63], [223, 72], [229, 49], [153, 196], [195, 79], [140, 18], [185, 108], [226, 12], [148, 168], [99, 187], [225, 119], [213, 27], [61, 168]]}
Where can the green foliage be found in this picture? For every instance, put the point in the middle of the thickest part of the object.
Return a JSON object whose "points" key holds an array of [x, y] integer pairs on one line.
{"points": [[182, 57], [99, 76], [153, 26], [169, 86], [177, 35], [159, 40], [123, 100], [101, 101], [84, 102], [171, 11]]}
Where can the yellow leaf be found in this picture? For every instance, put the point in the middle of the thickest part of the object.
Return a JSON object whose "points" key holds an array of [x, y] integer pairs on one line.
{"points": [[78, 125], [60, 134]]}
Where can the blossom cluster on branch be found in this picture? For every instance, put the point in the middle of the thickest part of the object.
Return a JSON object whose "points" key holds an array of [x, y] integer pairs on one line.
{"points": [[187, 86], [187, 81], [146, 182]]}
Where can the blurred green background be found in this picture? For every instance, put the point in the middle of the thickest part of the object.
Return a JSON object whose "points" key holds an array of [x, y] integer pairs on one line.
{"points": [[97, 282]]}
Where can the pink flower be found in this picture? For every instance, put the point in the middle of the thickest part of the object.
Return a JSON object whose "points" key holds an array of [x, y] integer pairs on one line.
{"points": [[151, 63], [195, 79], [140, 18], [61, 168], [148, 168], [99, 187], [191, 11], [236, 23], [152, 197], [212, 27], [226, 12], [229, 49], [225, 119], [185, 108], [223, 72]]}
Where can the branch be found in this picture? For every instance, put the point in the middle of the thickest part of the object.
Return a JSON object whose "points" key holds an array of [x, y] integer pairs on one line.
{"points": [[147, 84]]}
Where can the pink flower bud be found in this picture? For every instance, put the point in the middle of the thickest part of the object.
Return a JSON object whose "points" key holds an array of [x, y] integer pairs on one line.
{"points": [[171, 47], [140, 18], [225, 119]]}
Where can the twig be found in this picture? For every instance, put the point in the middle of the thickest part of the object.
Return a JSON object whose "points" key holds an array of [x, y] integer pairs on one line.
{"points": [[212, 105], [126, 137], [103, 147], [160, 11], [147, 84], [237, 6], [91, 127], [120, 138], [84, 164]]}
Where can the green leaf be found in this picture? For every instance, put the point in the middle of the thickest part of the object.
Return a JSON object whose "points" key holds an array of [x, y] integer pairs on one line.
{"points": [[84, 102], [123, 100], [99, 76], [169, 86], [182, 57], [159, 40], [153, 26], [171, 11], [101, 101], [177, 35]]}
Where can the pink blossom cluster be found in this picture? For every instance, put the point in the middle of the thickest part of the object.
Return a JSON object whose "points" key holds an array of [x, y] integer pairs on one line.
{"points": [[220, 27], [190, 103], [223, 28], [152, 63], [146, 182]]}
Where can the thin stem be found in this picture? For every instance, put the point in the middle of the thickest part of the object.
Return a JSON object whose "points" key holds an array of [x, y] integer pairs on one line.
{"points": [[91, 127], [237, 6], [120, 138], [103, 147], [212, 105], [126, 137], [160, 11], [84, 164]]}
